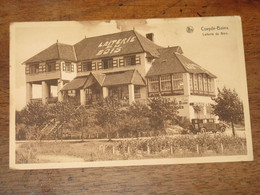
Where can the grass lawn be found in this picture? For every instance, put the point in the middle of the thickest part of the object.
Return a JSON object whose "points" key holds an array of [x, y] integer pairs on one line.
{"points": [[44, 152]]}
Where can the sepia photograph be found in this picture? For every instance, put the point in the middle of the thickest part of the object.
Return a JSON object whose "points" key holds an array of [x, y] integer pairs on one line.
{"points": [[128, 93]]}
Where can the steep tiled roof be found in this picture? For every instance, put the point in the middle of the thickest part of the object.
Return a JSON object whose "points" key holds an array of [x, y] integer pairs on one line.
{"points": [[148, 45], [105, 80], [54, 52], [166, 63], [171, 60], [95, 78], [123, 77], [76, 83], [192, 67], [137, 79], [121, 43], [116, 44]]}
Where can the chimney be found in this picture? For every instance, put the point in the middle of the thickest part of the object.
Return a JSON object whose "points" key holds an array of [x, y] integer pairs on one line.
{"points": [[150, 36]]}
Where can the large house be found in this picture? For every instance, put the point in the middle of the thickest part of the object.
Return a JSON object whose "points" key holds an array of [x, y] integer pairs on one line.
{"points": [[125, 65]]}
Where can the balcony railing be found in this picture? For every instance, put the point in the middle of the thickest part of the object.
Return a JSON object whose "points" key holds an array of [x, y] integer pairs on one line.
{"points": [[49, 100], [36, 100], [52, 100]]}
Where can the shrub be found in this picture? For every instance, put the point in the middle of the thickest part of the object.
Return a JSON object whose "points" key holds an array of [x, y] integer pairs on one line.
{"points": [[202, 143], [162, 110]]}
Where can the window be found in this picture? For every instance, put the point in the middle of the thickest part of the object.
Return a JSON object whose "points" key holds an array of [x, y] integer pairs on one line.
{"points": [[191, 82], [107, 63], [177, 81], [166, 83], [205, 83], [210, 85], [86, 66], [153, 84], [137, 92], [200, 83], [34, 68], [120, 92], [68, 67], [130, 60], [50, 66], [88, 94], [195, 82], [72, 93]]}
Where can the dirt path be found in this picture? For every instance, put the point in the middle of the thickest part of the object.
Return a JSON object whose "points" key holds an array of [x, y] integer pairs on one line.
{"points": [[42, 158]]}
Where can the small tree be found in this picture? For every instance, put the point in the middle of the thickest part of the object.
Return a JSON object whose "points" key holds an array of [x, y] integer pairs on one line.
{"points": [[135, 119], [108, 115], [162, 110], [62, 113], [228, 107], [34, 114], [83, 118]]}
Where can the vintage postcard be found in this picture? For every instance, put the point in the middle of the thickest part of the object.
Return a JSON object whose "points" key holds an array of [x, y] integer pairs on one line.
{"points": [[128, 93]]}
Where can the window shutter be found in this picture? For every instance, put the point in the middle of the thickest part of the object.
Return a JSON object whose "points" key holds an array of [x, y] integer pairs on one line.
{"points": [[93, 65], [63, 66], [57, 66], [44, 68], [27, 69], [79, 67], [115, 63], [40, 67], [121, 62], [137, 60], [72, 67], [100, 65]]}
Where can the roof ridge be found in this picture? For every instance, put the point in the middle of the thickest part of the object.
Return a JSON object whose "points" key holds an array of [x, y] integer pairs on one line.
{"points": [[58, 50], [101, 74], [180, 61], [76, 57], [103, 35], [59, 43], [137, 72], [133, 76], [139, 40], [39, 53], [148, 39]]}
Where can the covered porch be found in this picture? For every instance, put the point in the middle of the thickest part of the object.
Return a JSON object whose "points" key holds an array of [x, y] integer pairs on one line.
{"points": [[126, 86], [46, 91]]}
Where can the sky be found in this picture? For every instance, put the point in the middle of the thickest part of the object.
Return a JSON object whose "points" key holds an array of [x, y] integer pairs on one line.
{"points": [[213, 43]]}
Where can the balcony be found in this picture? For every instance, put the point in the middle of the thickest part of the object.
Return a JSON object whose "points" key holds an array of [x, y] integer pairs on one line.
{"points": [[43, 76]]}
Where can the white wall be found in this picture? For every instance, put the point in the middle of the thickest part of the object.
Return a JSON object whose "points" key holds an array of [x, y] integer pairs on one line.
{"points": [[68, 75]]}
